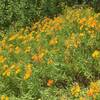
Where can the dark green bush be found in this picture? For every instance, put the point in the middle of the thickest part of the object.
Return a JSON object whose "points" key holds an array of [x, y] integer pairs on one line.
{"points": [[24, 11], [96, 5]]}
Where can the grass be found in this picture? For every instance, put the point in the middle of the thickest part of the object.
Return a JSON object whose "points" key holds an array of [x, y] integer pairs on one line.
{"points": [[54, 59]]}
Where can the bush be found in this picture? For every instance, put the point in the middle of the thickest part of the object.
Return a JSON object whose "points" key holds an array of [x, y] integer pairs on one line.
{"points": [[25, 11], [96, 5]]}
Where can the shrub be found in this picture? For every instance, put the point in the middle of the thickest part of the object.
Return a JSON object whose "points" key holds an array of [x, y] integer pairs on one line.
{"points": [[25, 11]]}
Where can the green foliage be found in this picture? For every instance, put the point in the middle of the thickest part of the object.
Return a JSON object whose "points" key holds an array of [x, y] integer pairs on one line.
{"points": [[96, 5], [25, 11]]}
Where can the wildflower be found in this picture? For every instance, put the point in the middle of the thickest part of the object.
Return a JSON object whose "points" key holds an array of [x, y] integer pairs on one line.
{"points": [[37, 37], [2, 59], [81, 27], [28, 49], [94, 89], [28, 74], [29, 66], [17, 69], [29, 37], [90, 92], [2, 97], [12, 66], [50, 82], [12, 37], [75, 90], [38, 57], [6, 72], [96, 54], [93, 24], [3, 44], [21, 37], [11, 48], [53, 41], [50, 61], [81, 34], [82, 20], [17, 50], [35, 58], [6, 98], [82, 98], [75, 44]]}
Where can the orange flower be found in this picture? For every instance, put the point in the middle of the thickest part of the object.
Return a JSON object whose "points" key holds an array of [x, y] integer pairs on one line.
{"points": [[50, 82], [38, 57], [53, 41], [93, 24], [82, 20], [90, 92]]}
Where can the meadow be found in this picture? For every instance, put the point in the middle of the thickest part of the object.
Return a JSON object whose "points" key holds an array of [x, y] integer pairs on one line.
{"points": [[52, 59]]}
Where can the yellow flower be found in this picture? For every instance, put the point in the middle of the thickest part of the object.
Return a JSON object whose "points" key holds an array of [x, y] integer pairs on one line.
{"points": [[37, 37], [6, 98], [95, 87], [17, 50], [2, 97], [81, 34], [2, 59], [28, 49], [12, 66], [6, 72], [28, 66], [3, 44], [53, 41], [40, 56], [96, 54], [28, 74], [82, 20], [75, 90], [82, 98], [81, 27], [11, 48], [28, 71], [17, 69], [50, 61], [30, 36], [76, 44], [12, 37], [21, 37]]}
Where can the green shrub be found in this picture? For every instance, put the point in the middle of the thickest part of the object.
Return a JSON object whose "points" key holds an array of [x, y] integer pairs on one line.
{"points": [[24, 11], [96, 5]]}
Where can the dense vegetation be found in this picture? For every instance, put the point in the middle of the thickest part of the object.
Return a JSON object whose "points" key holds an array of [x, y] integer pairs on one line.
{"points": [[23, 12], [50, 50]]}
